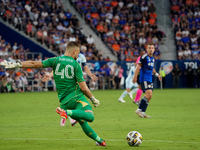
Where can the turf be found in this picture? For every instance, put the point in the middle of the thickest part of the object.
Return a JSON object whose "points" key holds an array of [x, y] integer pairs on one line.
{"points": [[28, 121]]}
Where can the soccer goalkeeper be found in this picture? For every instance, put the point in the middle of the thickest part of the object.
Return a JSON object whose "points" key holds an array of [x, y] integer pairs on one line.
{"points": [[70, 86]]}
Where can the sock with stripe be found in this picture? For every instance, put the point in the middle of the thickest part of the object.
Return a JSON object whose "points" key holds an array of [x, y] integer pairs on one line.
{"points": [[143, 104]]}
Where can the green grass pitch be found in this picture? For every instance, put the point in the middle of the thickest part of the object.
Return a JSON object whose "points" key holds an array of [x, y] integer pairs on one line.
{"points": [[29, 121]]}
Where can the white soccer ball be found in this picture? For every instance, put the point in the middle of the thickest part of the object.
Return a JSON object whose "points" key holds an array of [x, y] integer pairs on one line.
{"points": [[134, 138]]}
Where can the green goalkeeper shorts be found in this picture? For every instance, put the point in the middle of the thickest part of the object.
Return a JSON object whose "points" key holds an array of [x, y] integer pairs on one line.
{"points": [[78, 103]]}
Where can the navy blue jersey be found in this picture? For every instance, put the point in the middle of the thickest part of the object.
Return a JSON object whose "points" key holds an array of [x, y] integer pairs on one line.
{"points": [[147, 64]]}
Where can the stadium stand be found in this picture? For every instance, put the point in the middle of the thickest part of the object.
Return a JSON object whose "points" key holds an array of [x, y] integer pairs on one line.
{"points": [[186, 23], [125, 26], [21, 80], [47, 21]]}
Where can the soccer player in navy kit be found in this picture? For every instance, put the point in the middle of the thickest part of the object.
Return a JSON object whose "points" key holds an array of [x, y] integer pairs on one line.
{"points": [[145, 66]]}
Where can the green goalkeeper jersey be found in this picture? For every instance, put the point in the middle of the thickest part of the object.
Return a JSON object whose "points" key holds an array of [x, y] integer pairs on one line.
{"points": [[67, 74]]}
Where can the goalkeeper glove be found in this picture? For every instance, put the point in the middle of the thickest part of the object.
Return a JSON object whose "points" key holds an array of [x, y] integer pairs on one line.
{"points": [[10, 65], [95, 102]]}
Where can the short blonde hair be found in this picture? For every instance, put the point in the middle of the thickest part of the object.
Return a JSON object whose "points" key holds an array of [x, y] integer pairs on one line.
{"points": [[71, 46]]}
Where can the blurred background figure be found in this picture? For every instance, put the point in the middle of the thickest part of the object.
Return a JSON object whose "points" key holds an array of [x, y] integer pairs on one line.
{"points": [[162, 73], [176, 72], [189, 73]]}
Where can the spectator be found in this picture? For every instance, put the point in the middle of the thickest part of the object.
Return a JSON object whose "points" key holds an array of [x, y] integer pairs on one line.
{"points": [[116, 47], [119, 18], [46, 21], [162, 73], [189, 73], [90, 40], [176, 72]]}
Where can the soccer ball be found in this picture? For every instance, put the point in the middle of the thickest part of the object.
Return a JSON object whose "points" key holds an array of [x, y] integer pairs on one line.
{"points": [[134, 138]]}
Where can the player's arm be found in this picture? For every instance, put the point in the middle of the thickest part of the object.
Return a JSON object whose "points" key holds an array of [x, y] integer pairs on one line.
{"points": [[46, 77], [156, 74], [85, 89], [89, 73], [32, 64], [136, 73], [29, 64], [25, 64], [87, 92], [83, 86]]}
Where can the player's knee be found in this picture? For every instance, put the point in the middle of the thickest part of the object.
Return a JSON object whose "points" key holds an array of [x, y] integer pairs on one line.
{"points": [[148, 96], [91, 118], [91, 115]]}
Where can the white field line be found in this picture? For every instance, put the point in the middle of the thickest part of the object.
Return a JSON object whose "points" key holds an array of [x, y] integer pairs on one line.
{"points": [[45, 139]]}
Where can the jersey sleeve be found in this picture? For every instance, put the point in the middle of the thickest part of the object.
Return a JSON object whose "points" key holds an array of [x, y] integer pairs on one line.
{"points": [[49, 62], [79, 74], [142, 61], [83, 60]]}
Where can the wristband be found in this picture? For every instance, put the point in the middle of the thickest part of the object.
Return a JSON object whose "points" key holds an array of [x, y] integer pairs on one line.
{"points": [[92, 98], [156, 74], [18, 64]]}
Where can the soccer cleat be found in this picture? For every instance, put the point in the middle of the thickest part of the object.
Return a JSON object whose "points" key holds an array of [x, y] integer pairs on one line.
{"points": [[121, 100], [62, 112], [73, 122], [139, 113], [62, 122], [145, 115], [101, 144], [137, 103], [130, 95]]}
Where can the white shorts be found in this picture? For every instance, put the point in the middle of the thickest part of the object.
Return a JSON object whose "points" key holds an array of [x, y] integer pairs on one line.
{"points": [[131, 85]]}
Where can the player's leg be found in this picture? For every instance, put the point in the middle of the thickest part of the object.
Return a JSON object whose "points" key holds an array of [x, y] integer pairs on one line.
{"points": [[145, 101], [73, 110], [63, 119], [138, 94], [91, 133], [123, 95], [72, 121], [139, 91], [147, 88], [84, 107], [81, 111], [86, 127], [134, 88], [68, 110], [128, 88]]}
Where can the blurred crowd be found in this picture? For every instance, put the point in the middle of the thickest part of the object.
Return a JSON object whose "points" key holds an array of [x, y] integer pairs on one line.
{"points": [[125, 26], [16, 52], [24, 80], [50, 24], [185, 15], [21, 80]]}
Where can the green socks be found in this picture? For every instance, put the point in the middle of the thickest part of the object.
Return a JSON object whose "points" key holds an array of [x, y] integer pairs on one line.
{"points": [[90, 132], [80, 114]]}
